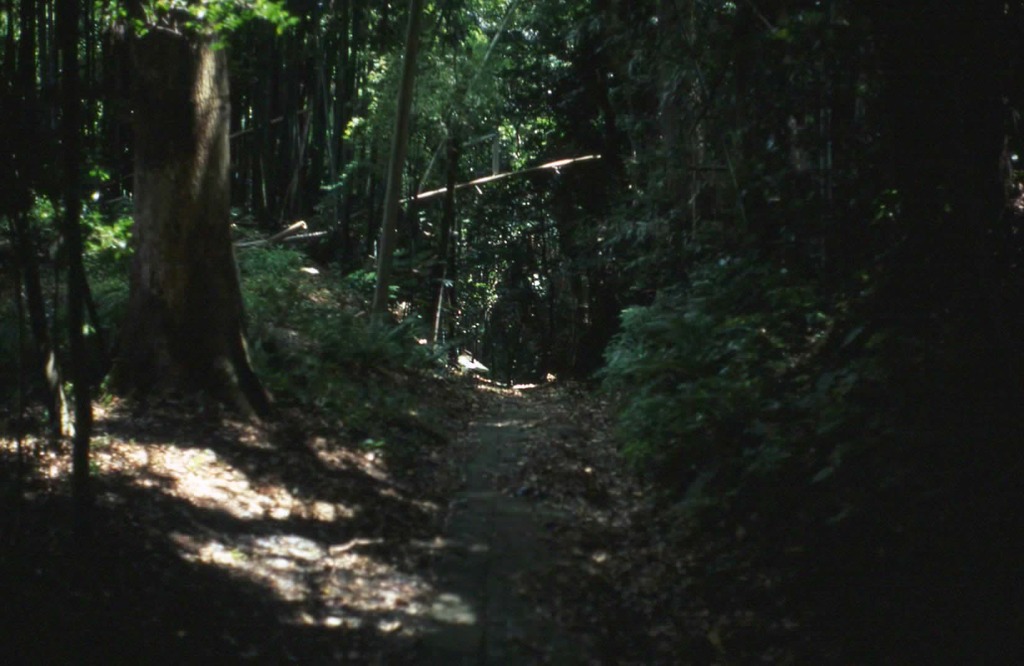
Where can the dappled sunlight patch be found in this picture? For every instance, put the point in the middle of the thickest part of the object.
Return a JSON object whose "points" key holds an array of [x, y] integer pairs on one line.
{"points": [[511, 423], [371, 463], [491, 386], [331, 586], [291, 528], [296, 569], [205, 479], [450, 608]]}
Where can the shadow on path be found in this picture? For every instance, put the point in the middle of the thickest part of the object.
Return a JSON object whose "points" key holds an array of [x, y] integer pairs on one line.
{"points": [[493, 539]]}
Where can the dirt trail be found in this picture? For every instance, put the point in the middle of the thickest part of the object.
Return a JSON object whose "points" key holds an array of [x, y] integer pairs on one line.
{"points": [[224, 541], [494, 540]]}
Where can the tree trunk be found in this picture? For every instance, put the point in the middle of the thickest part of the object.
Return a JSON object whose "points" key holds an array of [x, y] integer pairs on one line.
{"points": [[22, 175], [71, 125], [400, 140], [45, 350], [184, 325], [444, 270]]}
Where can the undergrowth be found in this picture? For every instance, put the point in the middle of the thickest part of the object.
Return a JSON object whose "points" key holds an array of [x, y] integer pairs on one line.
{"points": [[811, 439], [699, 375], [313, 343], [310, 338]]}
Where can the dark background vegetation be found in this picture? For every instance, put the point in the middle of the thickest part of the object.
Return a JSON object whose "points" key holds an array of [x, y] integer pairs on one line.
{"points": [[795, 268]]}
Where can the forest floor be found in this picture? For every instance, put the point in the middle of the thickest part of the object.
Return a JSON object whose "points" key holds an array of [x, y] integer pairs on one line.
{"points": [[489, 525]]}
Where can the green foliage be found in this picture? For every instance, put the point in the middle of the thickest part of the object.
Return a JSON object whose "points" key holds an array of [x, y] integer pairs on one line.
{"points": [[107, 241], [217, 16], [43, 221], [697, 373], [313, 345], [107, 255], [361, 283]]}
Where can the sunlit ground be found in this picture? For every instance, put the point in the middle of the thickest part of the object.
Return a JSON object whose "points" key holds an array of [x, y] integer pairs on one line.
{"points": [[323, 527], [333, 577], [317, 556]]}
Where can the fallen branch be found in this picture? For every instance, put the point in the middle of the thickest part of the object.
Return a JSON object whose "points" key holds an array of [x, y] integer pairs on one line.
{"points": [[279, 236], [334, 551], [553, 166]]}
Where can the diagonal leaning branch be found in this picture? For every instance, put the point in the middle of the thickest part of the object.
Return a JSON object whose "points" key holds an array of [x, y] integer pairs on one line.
{"points": [[555, 166]]}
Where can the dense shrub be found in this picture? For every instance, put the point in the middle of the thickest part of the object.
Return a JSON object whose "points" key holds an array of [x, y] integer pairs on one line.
{"points": [[107, 258], [313, 343], [698, 374]]}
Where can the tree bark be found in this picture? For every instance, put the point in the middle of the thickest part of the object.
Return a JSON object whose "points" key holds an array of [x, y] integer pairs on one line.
{"points": [[71, 106], [400, 141], [184, 325], [45, 352], [444, 269], [21, 175]]}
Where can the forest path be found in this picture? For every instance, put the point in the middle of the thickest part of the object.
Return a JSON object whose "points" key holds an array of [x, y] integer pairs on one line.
{"points": [[496, 537]]}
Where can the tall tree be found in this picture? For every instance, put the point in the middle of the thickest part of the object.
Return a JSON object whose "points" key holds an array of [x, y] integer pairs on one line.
{"points": [[24, 178], [184, 325], [71, 108], [399, 144]]}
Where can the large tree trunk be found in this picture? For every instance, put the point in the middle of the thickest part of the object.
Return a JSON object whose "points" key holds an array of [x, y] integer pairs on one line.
{"points": [[184, 326]]}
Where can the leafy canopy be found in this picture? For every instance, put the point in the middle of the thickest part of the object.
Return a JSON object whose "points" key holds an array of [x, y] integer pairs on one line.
{"points": [[211, 16]]}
